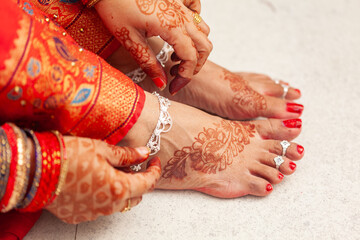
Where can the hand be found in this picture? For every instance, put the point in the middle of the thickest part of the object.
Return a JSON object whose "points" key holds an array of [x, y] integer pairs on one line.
{"points": [[94, 187], [132, 21]]}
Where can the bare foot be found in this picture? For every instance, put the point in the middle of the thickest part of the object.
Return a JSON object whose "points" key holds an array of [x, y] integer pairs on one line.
{"points": [[216, 90], [218, 157]]}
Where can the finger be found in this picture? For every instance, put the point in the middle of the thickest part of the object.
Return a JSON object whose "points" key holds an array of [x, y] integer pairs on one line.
{"points": [[185, 49], [201, 41], [175, 57], [174, 70], [133, 203], [125, 156], [138, 47], [144, 182], [194, 5], [201, 26]]}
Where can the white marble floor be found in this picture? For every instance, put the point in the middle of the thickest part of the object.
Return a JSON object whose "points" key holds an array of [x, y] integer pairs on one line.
{"points": [[315, 45]]}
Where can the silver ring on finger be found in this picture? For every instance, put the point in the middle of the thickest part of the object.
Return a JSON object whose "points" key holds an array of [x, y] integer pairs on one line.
{"points": [[284, 144], [278, 161]]}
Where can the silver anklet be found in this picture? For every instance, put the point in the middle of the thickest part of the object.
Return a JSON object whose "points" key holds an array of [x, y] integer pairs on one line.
{"points": [[138, 75], [163, 125]]}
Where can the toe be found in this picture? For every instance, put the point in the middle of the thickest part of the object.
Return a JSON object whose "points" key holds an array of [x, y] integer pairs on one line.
{"points": [[267, 86], [293, 94], [293, 152], [259, 186], [276, 90], [278, 129], [280, 108], [266, 172], [287, 167]]}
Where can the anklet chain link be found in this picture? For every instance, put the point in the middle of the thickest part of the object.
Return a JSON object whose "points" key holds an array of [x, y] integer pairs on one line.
{"points": [[163, 125], [138, 75]]}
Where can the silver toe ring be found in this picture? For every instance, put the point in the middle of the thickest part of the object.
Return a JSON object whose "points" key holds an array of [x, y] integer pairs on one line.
{"points": [[284, 144], [278, 161], [286, 89], [284, 86]]}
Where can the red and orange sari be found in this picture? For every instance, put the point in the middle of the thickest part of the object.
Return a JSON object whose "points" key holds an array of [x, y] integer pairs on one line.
{"points": [[50, 81]]}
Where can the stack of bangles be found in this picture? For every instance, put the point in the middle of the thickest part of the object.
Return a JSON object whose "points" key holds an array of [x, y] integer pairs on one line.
{"points": [[18, 188]]}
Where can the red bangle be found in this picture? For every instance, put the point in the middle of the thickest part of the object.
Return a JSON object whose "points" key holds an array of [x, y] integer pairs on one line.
{"points": [[50, 171], [11, 180], [56, 165]]}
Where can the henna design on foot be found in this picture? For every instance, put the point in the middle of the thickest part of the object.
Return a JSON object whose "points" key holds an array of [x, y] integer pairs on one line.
{"points": [[213, 150], [249, 100]]}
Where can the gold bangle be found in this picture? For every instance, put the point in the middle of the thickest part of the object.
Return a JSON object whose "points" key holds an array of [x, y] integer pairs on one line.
{"points": [[64, 164], [91, 3]]}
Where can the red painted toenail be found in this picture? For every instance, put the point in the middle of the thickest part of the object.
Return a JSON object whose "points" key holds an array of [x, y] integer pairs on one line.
{"points": [[269, 187], [292, 165], [300, 149], [281, 176], [298, 91], [293, 123], [294, 108]]}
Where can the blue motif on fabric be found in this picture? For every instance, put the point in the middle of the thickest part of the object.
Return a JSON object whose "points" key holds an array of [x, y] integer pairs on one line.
{"points": [[44, 2], [33, 67], [81, 96], [15, 94], [56, 73], [69, 1], [63, 50], [89, 71], [28, 8]]}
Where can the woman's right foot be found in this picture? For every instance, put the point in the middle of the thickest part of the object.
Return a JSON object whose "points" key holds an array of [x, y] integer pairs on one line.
{"points": [[218, 157]]}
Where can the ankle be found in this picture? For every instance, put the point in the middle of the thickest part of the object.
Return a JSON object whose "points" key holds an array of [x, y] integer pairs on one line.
{"points": [[140, 133]]}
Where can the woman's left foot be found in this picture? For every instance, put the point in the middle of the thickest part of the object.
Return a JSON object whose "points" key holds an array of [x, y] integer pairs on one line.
{"points": [[216, 90]]}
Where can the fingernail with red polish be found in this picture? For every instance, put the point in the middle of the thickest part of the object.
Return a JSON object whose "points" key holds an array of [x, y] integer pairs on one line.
{"points": [[177, 84], [269, 187], [174, 70], [298, 91], [293, 123], [281, 176], [294, 108], [300, 149], [175, 57], [292, 166], [159, 82]]}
